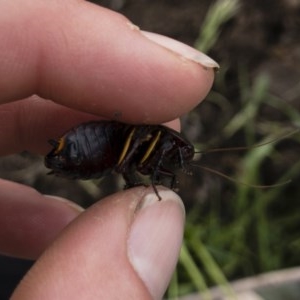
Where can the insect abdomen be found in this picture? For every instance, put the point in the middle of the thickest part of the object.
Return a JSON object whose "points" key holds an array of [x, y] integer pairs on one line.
{"points": [[85, 152]]}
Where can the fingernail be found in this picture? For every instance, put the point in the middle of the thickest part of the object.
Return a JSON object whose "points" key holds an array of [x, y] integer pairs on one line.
{"points": [[182, 49], [155, 240], [71, 204]]}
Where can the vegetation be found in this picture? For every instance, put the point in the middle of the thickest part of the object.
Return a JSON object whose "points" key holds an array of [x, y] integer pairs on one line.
{"points": [[243, 230]]}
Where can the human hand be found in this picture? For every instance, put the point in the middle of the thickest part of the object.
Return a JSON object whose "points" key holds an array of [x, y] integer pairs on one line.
{"points": [[90, 62]]}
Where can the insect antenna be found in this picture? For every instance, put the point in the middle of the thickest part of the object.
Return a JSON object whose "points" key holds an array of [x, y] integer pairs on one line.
{"points": [[243, 148], [238, 181]]}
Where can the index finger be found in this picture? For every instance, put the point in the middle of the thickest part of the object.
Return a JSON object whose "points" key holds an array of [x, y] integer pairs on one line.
{"points": [[94, 60]]}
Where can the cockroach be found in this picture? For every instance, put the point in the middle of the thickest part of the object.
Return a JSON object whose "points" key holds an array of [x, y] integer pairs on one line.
{"points": [[95, 149], [98, 148]]}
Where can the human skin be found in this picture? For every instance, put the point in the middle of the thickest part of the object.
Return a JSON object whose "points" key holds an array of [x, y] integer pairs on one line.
{"points": [[63, 63]]}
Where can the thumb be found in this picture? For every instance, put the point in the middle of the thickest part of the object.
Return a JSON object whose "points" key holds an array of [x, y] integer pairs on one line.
{"points": [[127, 244]]}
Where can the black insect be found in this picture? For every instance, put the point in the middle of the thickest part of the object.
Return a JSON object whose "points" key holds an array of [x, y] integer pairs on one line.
{"points": [[95, 149]]}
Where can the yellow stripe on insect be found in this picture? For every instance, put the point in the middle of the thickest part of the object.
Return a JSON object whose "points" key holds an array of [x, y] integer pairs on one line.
{"points": [[126, 146], [151, 147], [61, 145]]}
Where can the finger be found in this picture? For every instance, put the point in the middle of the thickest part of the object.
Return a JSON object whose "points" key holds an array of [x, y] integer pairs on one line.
{"points": [[94, 60], [30, 124], [29, 221], [127, 245]]}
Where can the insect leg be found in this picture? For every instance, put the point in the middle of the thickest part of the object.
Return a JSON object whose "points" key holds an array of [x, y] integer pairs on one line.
{"points": [[160, 170], [183, 165]]}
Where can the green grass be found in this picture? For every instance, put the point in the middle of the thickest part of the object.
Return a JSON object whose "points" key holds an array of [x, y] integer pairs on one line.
{"points": [[259, 230], [218, 14]]}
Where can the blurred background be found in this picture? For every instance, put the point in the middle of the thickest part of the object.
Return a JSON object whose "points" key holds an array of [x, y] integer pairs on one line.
{"points": [[233, 230]]}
